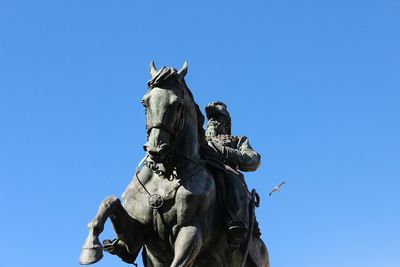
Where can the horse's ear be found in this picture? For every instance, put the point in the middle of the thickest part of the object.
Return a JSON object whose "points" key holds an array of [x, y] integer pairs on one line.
{"points": [[182, 72], [153, 70]]}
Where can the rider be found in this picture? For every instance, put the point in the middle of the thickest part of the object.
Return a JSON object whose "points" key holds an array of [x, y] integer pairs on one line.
{"points": [[238, 156]]}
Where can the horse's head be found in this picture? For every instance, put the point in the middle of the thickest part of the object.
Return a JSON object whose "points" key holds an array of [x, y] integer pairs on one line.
{"points": [[164, 104]]}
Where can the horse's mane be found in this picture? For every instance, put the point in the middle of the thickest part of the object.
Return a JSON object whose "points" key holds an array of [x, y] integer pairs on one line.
{"points": [[170, 78]]}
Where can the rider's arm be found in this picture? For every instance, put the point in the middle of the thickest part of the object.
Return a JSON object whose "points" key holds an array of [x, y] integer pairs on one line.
{"points": [[247, 159], [243, 155]]}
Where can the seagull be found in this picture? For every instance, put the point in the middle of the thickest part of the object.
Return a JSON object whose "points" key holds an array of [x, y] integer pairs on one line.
{"points": [[277, 188]]}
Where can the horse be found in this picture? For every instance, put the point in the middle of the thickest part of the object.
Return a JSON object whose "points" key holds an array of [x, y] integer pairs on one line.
{"points": [[170, 208]]}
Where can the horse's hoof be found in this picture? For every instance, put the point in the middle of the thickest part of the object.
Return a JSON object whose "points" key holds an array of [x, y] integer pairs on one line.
{"points": [[92, 251], [90, 255]]}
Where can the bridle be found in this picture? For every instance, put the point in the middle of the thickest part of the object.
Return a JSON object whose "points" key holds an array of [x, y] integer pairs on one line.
{"points": [[174, 132]]}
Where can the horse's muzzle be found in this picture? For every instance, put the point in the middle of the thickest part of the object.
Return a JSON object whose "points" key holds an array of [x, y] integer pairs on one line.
{"points": [[158, 154]]}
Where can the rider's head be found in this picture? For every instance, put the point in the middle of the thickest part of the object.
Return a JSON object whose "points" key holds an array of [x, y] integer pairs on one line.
{"points": [[219, 120]]}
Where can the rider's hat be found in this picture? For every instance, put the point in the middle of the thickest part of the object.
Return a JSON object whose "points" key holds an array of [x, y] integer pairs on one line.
{"points": [[216, 108]]}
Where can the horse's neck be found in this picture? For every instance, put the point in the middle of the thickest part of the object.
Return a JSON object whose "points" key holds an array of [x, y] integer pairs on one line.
{"points": [[187, 144]]}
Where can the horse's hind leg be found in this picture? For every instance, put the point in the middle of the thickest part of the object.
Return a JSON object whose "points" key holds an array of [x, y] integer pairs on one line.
{"points": [[187, 245], [92, 250]]}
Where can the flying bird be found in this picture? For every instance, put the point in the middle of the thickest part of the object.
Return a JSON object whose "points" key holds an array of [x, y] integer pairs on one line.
{"points": [[277, 188]]}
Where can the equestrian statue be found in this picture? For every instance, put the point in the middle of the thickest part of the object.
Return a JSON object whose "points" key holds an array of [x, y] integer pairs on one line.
{"points": [[187, 204]]}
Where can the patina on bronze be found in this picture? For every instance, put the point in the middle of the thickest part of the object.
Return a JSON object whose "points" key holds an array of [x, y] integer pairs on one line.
{"points": [[186, 228]]}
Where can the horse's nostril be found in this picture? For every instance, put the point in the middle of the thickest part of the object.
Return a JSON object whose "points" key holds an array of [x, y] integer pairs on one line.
{"points": [[149, 149]]}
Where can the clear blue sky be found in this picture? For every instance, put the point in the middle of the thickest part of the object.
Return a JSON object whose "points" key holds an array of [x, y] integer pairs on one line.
{"points": [[315, 85]]}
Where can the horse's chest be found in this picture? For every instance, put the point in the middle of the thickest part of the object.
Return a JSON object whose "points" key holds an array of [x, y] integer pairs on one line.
{"points": [[146, 201], [181, 203]]}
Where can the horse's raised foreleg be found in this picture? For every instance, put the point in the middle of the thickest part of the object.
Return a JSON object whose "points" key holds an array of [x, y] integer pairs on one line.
{"points": [[130, 231], [187, 246], [92, 250]]}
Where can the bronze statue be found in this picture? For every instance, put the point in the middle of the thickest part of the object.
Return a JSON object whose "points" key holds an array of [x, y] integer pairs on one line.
{"points": [[171, 207]]}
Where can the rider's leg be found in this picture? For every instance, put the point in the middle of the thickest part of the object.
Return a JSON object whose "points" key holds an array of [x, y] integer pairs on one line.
{"points": [[187, 245], [237, 207]]}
